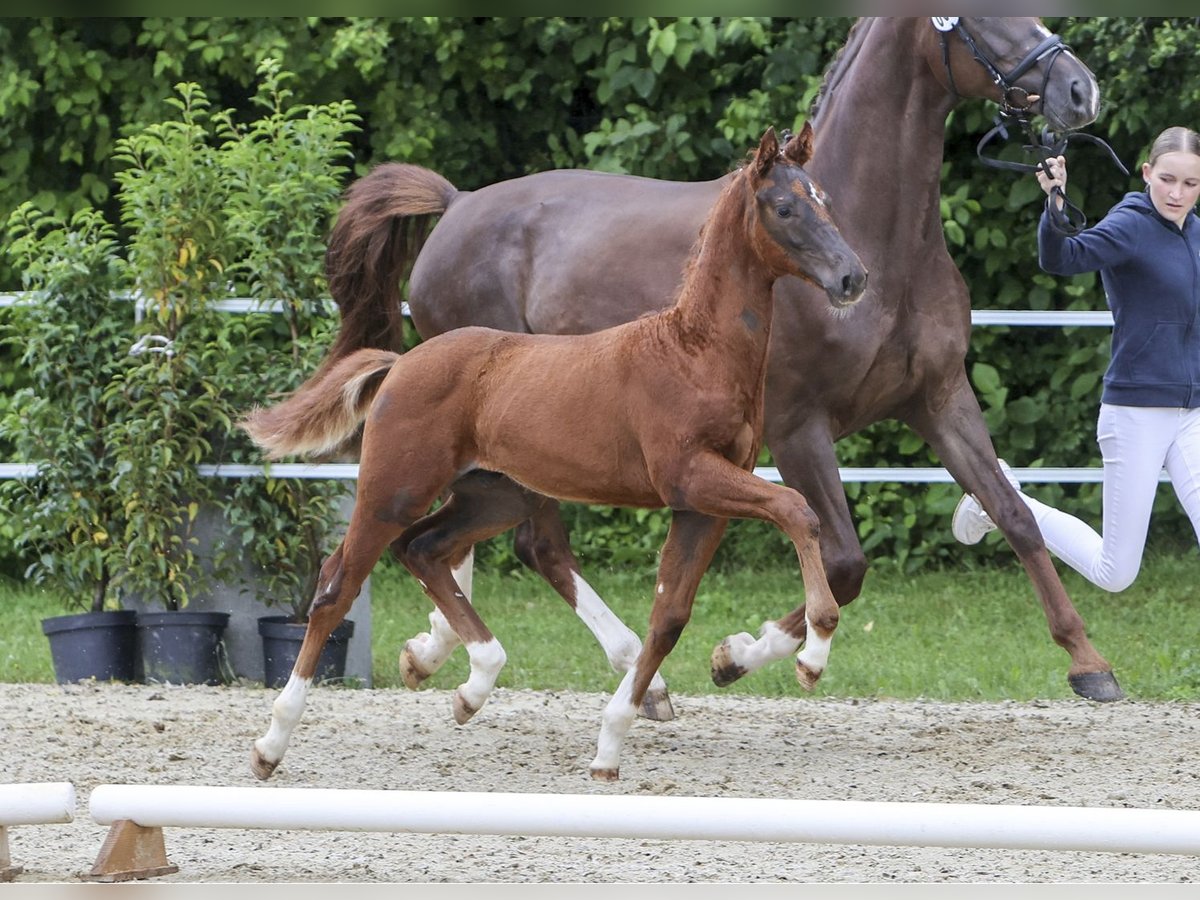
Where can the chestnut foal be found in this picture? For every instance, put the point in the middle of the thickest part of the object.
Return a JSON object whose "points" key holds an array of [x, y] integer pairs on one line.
{"points": [[664, 411]]}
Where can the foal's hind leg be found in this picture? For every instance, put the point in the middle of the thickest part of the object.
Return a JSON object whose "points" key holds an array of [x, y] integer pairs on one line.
{"points": [[481, 499], [429, 548], [341, 579], [542, 544], [690, 545], [425, 653]]}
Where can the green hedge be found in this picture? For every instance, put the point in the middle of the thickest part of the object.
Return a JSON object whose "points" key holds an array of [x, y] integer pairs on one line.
{"points": [[485, 99]]}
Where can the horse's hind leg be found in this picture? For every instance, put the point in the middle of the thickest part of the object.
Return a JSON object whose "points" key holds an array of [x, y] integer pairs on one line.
{"points": [[689, 548], [341, 579], [740, 654], [480, 498], [542, 544]]}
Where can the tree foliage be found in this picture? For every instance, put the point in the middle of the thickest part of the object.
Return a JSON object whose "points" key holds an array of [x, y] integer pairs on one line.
{"points": [[484, 99]]}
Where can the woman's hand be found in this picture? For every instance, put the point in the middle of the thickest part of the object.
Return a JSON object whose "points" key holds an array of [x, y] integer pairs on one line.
{"points": [[1056, 179]]}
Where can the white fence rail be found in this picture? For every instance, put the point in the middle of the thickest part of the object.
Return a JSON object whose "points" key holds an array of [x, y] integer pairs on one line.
{"points": [[894, 475]]}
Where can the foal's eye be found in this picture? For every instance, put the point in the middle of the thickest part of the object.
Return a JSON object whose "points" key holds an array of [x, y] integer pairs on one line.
{"points": [[783, 211]]}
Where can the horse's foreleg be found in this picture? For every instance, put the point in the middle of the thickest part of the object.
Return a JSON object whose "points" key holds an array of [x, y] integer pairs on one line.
{"points": [[690, 545], [807, 463], [541, 543], [959, 436]]}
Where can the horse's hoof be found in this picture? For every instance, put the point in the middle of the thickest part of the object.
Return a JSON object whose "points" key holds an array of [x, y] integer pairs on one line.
{"points": [[807, 676], [410, 672], [724, 670], [605, 774], [656, 706], [462, 709], [1099, 686], [260, 766]]}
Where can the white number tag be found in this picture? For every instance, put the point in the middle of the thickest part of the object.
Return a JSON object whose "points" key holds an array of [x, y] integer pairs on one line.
{"points": [[945, 23]]}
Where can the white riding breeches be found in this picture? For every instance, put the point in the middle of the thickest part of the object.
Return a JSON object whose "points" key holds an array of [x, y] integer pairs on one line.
{"points": [[1136, 443]]}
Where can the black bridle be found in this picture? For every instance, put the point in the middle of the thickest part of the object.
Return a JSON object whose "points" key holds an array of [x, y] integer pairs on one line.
{"points": [[1016, 107], [1015, 101]]}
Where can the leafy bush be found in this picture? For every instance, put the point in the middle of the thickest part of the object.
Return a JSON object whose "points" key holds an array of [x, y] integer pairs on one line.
{"points": [[71, 341], [213, 209]]}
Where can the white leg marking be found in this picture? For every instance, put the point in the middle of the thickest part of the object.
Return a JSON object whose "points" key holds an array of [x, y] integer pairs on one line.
{"points": [[487, 659], [621, 645], [285, 716], [465, 574], [430, 649], [773, 643], [815, 654], [618, 717]]}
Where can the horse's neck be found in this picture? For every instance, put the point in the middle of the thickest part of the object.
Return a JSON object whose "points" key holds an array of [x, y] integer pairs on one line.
{"points": [[880, 134]]}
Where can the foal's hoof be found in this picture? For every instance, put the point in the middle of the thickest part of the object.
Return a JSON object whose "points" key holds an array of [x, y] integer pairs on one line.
{"points": [[1100, 686], [411, 671], [807, 676], [260, 765], [656, 706], [462, 709], [605, 774], [724, 670]]}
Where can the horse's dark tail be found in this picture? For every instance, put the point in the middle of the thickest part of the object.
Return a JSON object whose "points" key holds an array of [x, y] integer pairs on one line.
{"points": [[385, 219], [324, 413]]}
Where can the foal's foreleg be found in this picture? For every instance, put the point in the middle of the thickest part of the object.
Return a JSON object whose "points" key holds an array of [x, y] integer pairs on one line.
{"points": [[690, 545], [718, 487], [542, 543]]}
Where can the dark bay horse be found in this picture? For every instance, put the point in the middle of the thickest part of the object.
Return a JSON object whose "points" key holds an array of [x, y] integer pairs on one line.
{"points": [[574, 251], [663, 411]]}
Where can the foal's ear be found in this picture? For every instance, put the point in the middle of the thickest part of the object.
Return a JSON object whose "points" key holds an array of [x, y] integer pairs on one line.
{"points": [[799, 149], [768, 150]]}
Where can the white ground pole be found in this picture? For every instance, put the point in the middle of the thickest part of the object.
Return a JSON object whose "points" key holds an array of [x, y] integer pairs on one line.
{"points": [[653, 817], [47, 803]]}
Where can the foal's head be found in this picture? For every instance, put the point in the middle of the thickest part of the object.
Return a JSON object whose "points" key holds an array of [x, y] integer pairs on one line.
{"points": [[794, 232]]}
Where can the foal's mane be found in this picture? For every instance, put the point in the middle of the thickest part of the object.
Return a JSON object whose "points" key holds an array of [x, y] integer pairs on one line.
{"points": [[719, 228], [836, 70]]}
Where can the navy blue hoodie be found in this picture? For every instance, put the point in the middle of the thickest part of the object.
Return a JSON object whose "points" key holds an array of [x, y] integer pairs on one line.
{"points": [[1150, 269]]}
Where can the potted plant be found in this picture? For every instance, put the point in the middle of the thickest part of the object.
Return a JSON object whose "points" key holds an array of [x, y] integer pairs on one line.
{"points": [[218, 209], [71, 340], [284, 171]]}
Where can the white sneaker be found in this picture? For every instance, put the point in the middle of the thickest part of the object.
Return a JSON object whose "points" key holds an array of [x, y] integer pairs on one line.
{"points": [[970, 523]]}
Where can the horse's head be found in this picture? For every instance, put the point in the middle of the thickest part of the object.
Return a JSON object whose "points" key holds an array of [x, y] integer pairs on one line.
{"points": [[1016, 62], [796, 234]]}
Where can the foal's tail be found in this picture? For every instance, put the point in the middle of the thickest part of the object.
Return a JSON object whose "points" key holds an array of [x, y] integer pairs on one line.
{"points": [[382, 225], [323, 413]]}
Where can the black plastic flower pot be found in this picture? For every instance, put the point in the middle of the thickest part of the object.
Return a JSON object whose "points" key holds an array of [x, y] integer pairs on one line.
{"points": [[282, 637], [182, 647], [100, 645]]}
